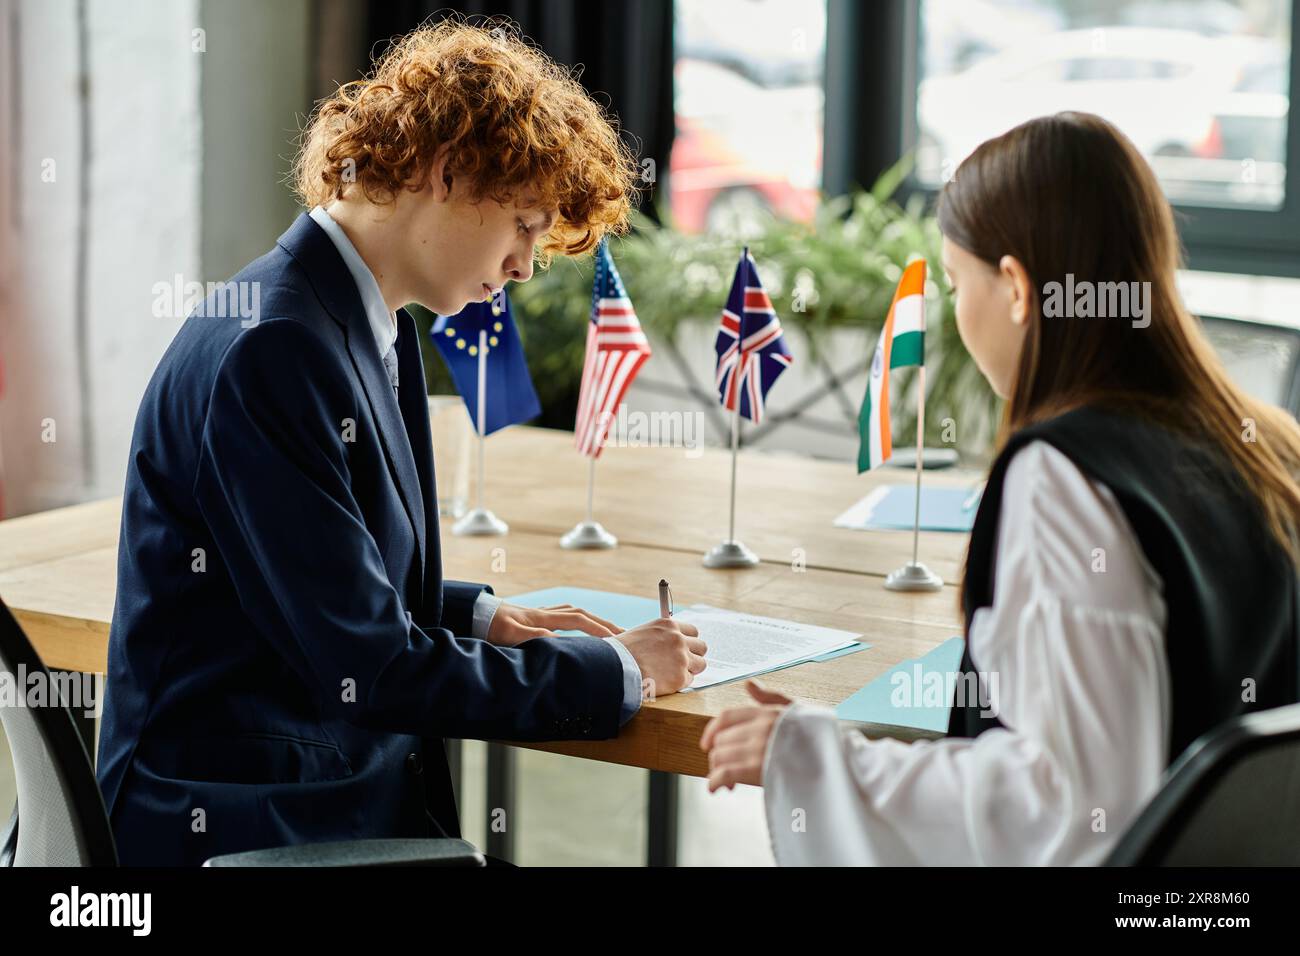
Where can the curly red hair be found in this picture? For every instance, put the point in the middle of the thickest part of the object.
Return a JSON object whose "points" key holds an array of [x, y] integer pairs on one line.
{"points": [[514, 121]]}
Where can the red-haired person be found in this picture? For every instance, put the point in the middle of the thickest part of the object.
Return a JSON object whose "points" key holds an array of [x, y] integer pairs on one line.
{"points": [[285, 654], [1130, 581]]}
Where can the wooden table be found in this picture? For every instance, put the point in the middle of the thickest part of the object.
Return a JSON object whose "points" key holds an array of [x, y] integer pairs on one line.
{"points": [[670, 498], [58, 569]]}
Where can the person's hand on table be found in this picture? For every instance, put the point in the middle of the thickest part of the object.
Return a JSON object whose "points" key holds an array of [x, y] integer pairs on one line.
{"points": [[736, 740], [669, 653], [512, 625]]}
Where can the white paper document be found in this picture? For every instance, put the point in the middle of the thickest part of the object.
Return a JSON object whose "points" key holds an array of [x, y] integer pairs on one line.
{"points": [[742, 645]]}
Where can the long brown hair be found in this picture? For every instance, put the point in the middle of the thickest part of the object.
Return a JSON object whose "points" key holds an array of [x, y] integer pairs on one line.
{"points": [[1069, 195]]}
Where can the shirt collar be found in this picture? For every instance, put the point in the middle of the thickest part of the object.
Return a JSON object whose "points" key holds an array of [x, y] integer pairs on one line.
{"points": [[383, 323]]}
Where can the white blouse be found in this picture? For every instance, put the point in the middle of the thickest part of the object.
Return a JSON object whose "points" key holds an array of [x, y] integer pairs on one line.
{"points": [[1075, 635]]}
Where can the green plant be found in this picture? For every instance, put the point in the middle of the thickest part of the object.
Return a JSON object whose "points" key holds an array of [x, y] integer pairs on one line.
{"points": [[842, 267]]}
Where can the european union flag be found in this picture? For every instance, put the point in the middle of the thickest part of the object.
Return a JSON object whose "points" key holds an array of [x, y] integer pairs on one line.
{"points": [[483, 335]]}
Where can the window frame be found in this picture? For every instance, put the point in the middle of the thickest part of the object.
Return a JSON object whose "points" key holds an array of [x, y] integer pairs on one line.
{"points": [[866, 100]]}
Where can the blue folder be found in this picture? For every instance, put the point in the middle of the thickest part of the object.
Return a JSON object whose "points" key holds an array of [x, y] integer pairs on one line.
{"points": [[875, 703], [941, 510], [624, 610]]}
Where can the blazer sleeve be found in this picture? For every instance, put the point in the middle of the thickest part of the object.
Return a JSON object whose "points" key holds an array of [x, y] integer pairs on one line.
{"points": [[274, 485], [458, 599]]}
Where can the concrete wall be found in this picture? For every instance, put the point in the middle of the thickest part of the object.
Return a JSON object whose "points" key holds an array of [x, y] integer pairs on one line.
{"points": [[106, 194], [170, 159], [142, 139], [255, 93]]}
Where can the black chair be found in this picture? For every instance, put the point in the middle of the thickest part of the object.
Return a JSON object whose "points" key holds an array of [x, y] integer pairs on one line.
{"points": [[1261, 358], [1232, 799], [60, 820]]}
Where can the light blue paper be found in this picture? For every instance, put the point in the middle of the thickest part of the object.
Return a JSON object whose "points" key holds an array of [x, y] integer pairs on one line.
{"points": [[941, 509], [625, 610], [874, 703], [831, 655]]}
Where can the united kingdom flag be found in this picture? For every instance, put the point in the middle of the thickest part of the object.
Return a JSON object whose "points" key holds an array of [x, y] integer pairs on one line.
{"points": [[751, 349]]}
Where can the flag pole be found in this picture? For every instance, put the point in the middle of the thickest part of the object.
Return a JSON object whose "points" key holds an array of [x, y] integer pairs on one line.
{"points": [[735, 417], [590, 534], [481, 521], [732, 553], [915, 576], [735, 444], [920, 446], [481, 407]]}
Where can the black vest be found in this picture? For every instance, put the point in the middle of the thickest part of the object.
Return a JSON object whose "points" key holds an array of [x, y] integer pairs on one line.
{"points": [[1230, 590]]}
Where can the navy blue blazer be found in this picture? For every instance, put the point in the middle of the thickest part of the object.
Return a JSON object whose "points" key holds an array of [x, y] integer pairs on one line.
{"points": [[285, 656]]}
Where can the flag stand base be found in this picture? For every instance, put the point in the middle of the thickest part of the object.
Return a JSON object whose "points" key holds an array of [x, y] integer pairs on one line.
{"points": [[730, 554], [480, 521], [590, 536], [913, 576]]}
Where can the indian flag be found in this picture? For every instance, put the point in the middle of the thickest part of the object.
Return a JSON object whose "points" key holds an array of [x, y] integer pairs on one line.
{"points": [[902, 343]]}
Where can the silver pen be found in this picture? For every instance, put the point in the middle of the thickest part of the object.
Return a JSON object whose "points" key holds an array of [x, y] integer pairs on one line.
{"points": [[665, 599]]}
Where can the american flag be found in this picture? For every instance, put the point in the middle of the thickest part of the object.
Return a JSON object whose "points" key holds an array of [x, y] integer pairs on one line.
{"points": [[751, 349], [616, 350]]}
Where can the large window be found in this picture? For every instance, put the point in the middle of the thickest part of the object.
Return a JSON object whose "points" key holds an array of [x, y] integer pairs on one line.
{"points": [[1200, 86], [749, 111]]}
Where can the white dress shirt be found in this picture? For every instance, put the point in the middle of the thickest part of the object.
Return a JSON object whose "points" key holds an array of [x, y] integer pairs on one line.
{"points": [[1083, 693], [383, 323]]}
